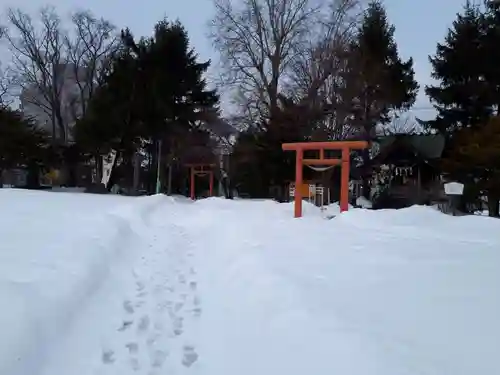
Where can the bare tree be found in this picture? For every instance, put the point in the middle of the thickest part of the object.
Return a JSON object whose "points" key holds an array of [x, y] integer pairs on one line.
{"points": [[39, 59], [400, 125], [89, 50], [266, 48], [318, 75], [7, 80], [50, 61]]}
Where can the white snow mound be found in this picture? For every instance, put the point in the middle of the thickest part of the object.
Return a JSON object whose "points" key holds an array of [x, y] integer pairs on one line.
{"points": [[150, 286]]}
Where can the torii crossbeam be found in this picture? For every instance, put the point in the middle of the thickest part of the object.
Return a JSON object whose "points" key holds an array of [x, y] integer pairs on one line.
{"points": [[201, 170], [344, 162]]}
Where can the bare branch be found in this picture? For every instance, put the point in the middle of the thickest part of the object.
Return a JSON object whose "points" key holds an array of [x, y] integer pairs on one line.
{"points": [[57, 71], [39, 60], [89, 52], [275, 48], [7, 82], [326, 56], [259, 41], [400, 125]]}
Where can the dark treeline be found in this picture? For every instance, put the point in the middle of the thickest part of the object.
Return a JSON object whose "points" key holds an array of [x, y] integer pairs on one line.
{"points": [[295, 72]]}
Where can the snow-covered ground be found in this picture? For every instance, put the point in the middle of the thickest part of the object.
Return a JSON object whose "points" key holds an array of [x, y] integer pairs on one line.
{"points": [[102, 285]]}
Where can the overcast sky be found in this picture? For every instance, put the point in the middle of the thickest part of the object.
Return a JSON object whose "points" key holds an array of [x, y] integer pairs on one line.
{"points": [[420, 24]]}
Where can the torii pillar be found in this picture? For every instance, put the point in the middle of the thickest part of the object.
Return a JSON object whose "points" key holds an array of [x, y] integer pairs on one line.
{"points": [[344, 162], [200, 170]]}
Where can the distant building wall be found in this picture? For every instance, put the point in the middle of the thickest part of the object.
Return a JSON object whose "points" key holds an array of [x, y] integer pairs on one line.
{"points": [[35, 106]]}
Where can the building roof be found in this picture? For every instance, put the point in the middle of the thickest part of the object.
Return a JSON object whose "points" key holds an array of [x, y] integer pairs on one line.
{"points": [[427, 146]]}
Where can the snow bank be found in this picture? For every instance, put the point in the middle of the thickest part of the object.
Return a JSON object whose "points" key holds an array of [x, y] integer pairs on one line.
{"points": [[363, 202], [55, 251], [402, 292], [155, 285]]}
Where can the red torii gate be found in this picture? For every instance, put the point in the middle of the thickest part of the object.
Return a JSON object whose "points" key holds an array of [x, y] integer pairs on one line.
{"points": [[201, 169], [344, 161]]}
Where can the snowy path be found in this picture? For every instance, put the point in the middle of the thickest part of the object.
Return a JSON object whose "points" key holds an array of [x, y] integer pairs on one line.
{"points": [[150, 326], [160, 313]]}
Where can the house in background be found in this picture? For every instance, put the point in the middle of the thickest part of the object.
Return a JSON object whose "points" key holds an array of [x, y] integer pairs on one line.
{"points": [[406, 170]]}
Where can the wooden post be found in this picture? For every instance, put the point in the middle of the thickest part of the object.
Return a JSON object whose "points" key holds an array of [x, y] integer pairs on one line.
{"points": [[200, 170], [193, 175], [298, 183], [419, 185], [211, 183], [344, 180]]}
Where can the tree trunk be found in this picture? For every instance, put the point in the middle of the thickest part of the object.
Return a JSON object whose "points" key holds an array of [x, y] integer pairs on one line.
{"points": [[365, 155], [62, 127], [365, 186], [493, 205], [137, 172], [98, 167], [149, 168], [113, 175], [71, 173], [169, 181], [153, 166], [33, 178]]}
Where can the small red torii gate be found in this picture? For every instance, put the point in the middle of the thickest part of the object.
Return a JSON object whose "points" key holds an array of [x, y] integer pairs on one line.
{"points": [[201, 169], [344, 162]]}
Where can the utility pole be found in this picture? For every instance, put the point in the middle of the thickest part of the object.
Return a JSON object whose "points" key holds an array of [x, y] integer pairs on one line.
{"points": [[158, 183]]}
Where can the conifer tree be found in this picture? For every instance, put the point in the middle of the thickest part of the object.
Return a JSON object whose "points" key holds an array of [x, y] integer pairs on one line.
{"points": [[384, 81], [467, 98], [21, 143], [377, 78], [462, 95], [475, 158], [155, 92]]}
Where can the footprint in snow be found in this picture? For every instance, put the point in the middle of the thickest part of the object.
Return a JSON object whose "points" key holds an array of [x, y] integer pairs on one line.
{"points": [[134, 363], [133, 347], [178, 306], [158, 358], [193, 285], [108, 357], [178, 326], [127, 306], [197, 312], [190, 356], [143, 324], [140, 286], [125, 325]]}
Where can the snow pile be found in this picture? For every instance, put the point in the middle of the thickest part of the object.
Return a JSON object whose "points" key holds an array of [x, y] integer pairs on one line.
{"points": [[55, 252], [369, 292], [363, 202], [159, 285]]}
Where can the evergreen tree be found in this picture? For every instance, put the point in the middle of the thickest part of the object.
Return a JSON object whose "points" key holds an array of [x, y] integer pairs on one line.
{"points": [[175, 96], [491, 51], [475, 158], [377, 79], [463, 95], [154, 93], [111, 120], [383, 81], [21, 143], [467, 99]]}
